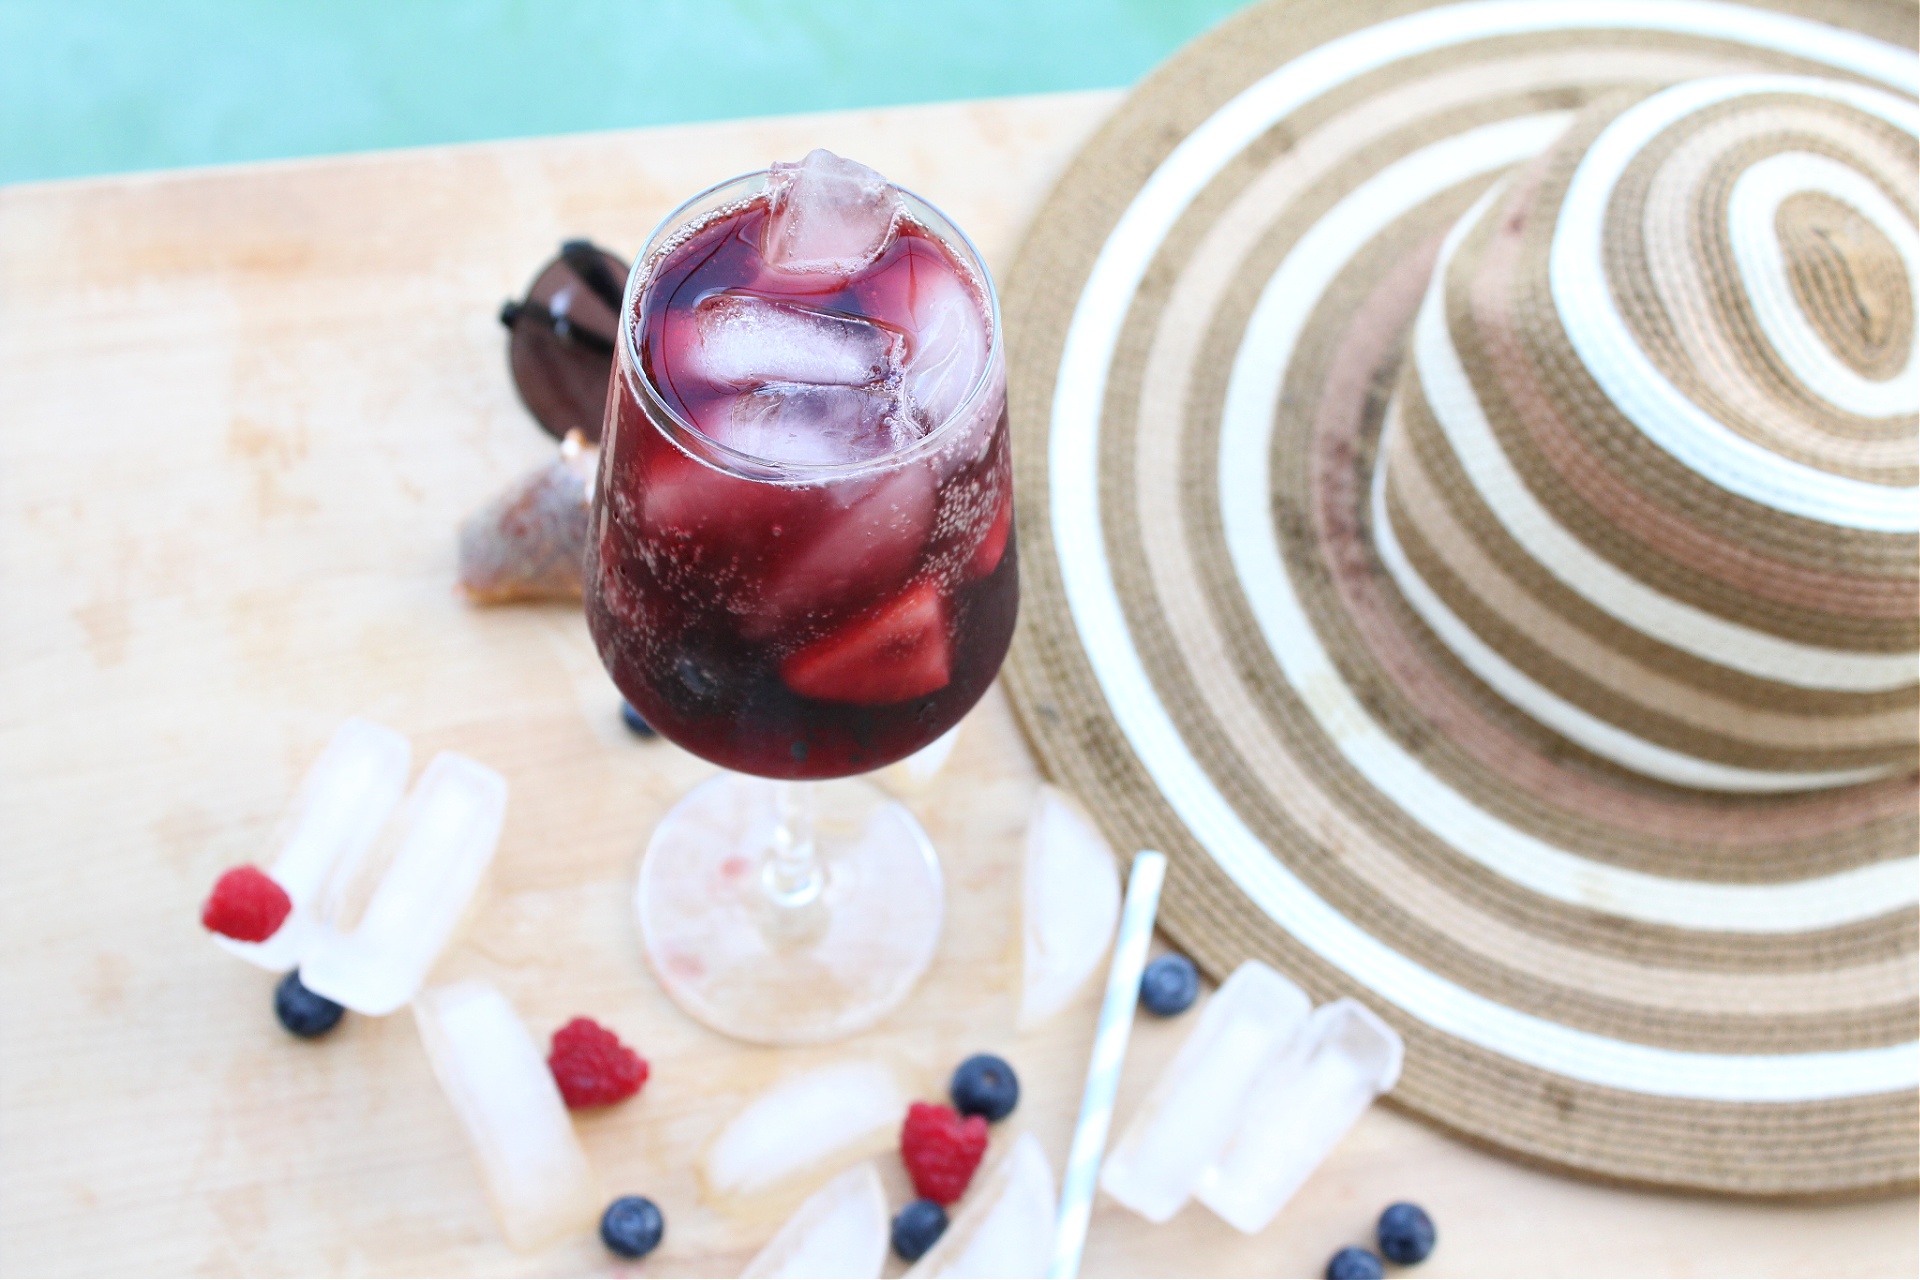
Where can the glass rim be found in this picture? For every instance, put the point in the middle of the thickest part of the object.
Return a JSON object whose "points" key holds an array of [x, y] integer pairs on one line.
{"points": [[751, 466]]}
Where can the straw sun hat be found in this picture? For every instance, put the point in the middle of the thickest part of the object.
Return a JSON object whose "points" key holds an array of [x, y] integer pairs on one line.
{"points": [[1469, 456]]}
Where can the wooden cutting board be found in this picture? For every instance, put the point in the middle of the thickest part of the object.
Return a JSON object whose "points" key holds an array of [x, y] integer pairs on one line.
{"points": [[241, 412]]}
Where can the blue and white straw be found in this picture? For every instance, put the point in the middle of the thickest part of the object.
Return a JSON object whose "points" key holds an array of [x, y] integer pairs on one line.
{"points": [[1109, 1051]]}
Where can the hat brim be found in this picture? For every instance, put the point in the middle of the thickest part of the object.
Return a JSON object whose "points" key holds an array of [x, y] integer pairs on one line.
{"points": [[1592, 970]]}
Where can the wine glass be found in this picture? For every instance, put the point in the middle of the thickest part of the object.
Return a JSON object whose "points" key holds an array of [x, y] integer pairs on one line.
{"points": [[800, 580]]}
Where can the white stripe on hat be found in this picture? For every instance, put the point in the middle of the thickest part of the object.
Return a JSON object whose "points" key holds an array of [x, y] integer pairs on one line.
{"points": [[1599, 334], [1597, 580], [1754, 236]]}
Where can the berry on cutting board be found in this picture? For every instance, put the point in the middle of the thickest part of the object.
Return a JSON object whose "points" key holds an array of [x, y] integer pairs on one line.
{"points": [[632, 1226], [306, 1014], [985, 1086], [592, 1067], [246, 905], [1406, 1234], [941, 1149], [1170, 985], [917, 1227], [1355, 1263]]}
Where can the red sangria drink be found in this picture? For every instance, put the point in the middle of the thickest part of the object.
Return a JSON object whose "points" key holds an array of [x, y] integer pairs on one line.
{"points": [[801, 566]]}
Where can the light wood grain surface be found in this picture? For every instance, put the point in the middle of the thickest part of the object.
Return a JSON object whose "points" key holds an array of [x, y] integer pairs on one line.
{"points": [[241, 412]]}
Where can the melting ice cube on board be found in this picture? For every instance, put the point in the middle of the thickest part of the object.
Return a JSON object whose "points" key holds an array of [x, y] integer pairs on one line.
{"points": [[535, 1173], [830, 215], [840, 1231], [834, 1113], [1070, 909], [1298, 1109], [345, 799], [449, 831], [1201, 1099], [747, 341], [1006, 1225]]}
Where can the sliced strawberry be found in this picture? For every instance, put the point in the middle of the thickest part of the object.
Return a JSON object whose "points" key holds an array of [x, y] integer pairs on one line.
{"points": [[864, 546], [893, 653], [986, 556]]}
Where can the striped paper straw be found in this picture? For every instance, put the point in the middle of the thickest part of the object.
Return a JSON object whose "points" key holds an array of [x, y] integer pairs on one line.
{"points": [[1103, 1072]]}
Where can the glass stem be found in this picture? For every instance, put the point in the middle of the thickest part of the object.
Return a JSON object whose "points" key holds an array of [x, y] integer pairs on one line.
{"points": [[792, 875]]}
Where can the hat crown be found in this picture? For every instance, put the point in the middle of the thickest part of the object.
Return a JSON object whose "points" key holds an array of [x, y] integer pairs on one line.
{"points": [[1650, 471]]}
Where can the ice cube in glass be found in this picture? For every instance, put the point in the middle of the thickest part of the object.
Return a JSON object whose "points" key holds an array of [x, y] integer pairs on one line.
{"points": [[948, 345], [747, 341], [817, 426], [830, 215]]}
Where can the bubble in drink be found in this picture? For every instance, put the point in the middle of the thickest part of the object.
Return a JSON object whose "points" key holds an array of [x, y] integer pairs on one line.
{"points": [[830, 215], [747, 341]]}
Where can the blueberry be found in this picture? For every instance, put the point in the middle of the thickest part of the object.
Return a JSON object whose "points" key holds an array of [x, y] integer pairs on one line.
{"points": [[632, 1226], [303, 1012], [1170, 985], [984, 1085], [1354, 1263], [916, 1227], [635, 725], [1406, 1234]]}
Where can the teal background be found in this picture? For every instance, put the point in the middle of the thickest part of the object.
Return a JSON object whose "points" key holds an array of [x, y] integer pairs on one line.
{"points": [[103, 86]]}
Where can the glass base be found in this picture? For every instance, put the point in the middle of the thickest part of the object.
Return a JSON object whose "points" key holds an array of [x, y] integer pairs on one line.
{"points": [[827, 957]]}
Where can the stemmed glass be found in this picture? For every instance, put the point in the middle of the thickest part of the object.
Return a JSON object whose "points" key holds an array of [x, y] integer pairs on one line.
{"points": [[799, 611]]}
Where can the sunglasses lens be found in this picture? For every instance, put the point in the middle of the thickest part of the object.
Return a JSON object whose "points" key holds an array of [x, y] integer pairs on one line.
{"points": [[561, 348]]}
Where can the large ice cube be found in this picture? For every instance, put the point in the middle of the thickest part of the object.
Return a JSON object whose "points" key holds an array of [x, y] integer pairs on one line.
{"points": [[948, 345], [346, 797], [1300, 1107], [536, 1176], [1201, 1099], [840, 1231], [1006, 1227], [1070, 909], [830, 215], [836, 1112], [449, 831], [749, 341], [785, 422]]}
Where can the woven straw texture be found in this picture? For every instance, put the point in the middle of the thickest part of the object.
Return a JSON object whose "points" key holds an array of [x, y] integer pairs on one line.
{"points": [[1467, 463]]}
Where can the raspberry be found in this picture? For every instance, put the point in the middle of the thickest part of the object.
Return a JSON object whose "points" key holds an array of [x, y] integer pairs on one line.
{"points": [[592, 1067], [246, 905], [941, 1150]]}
